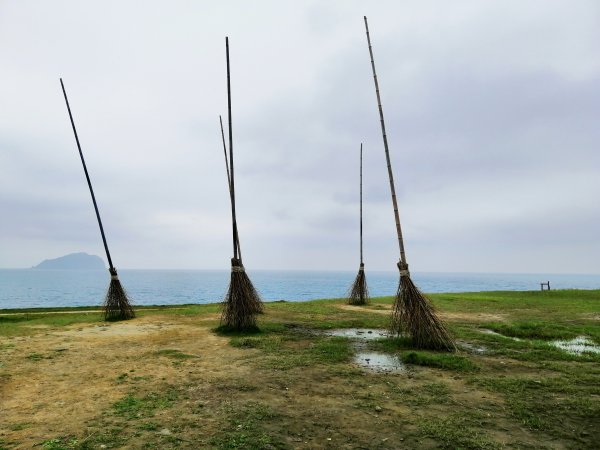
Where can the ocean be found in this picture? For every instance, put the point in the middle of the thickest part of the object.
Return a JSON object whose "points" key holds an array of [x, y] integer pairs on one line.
{"points": [[31, 288]]}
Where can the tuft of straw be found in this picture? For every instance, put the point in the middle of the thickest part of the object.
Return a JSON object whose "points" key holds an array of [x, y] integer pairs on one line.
{"points": [[414, 314], [359, 293], [242, 302], [116, 304]]}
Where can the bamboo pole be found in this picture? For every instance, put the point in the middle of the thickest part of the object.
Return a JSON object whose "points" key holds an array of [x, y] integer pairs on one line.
{"points": [[117, 305], [87, 177], [412, 311], [387, 153], [361, 206], [232, 181], [229, 180]]}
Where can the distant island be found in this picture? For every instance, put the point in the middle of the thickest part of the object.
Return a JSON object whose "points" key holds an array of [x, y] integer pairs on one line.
{"points": [[74, 261]]}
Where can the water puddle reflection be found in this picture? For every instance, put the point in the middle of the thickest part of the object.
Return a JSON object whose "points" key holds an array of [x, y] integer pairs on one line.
{"points": [[472, 348], [373, 361], [365, 334], [379, 362], [495, 333], [577, 346]]}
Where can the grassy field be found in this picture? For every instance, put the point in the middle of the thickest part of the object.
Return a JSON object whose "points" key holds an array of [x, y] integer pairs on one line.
{"points": [[167, 379]]}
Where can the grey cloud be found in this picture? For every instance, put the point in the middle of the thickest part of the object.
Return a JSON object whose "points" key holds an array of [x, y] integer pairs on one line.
{"points": [[491, 110]]}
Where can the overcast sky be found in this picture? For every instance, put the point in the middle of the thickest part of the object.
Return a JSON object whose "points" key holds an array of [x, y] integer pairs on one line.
{"points": [[492, 111]]}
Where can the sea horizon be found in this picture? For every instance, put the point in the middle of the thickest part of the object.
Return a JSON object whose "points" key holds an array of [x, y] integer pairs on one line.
{"points": [[458, 272], [32, 288]]}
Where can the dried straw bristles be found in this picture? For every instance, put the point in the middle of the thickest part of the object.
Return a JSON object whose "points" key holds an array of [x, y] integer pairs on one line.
{"points": [[414, 314], [359, 293], [116, 304], [242, 301]]}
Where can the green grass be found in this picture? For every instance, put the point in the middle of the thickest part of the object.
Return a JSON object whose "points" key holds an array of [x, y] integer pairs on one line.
{"points": [[522, 305], [59, 444], [543, 330], [134, 407], [457, 432], [544, 403], [245, 428], [286, 348], [36, 356], [443, 361]]}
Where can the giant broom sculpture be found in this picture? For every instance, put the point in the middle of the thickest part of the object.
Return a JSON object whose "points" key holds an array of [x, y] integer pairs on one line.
{"points": [[412, 312], [359, 293], [242, 302], [116, 304]]}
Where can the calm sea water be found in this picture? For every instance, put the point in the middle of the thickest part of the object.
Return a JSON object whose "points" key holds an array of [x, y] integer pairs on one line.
{"points": [[29, 288]]}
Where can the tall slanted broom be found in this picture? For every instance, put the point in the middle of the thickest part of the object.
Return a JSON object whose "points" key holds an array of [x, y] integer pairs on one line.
{"points": [[242, 303], [359, 293], [413, 313], [116, 304]]}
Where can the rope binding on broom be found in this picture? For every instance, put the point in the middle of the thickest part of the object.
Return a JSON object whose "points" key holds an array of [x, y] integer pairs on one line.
{"points": [[403, 268]]}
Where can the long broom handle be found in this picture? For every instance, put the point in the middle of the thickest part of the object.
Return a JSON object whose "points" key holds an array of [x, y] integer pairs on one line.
{"points": [[225, 152], [229, 178], [361, 212], [387, 152], [87, 176], [232, 183]]}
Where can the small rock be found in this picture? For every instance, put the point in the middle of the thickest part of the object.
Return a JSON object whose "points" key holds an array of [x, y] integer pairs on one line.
{"points": [[165, 432], [378, 408]]}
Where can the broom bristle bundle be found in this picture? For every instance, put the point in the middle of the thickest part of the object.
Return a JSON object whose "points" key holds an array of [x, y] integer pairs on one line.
{"points": [[116, 304], [414, 314], [242, 301], [359, 293]]}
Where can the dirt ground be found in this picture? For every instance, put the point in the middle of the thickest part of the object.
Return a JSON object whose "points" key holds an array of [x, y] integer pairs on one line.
{"points": [[72, 387]]}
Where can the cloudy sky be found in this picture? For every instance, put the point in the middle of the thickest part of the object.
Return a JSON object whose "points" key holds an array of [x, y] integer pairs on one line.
{"points": [[492, 111]]}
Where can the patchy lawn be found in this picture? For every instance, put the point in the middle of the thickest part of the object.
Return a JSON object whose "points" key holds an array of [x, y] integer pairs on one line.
{"points": [[167, 380]]}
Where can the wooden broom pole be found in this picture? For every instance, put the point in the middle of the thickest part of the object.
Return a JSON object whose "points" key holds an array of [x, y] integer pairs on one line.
{"points": [[387, 152], [225, 151], [361, 209], [87, 176], [232, 183], [229, 179]]}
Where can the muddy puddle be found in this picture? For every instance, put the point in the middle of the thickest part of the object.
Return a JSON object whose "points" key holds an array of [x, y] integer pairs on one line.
{"points": [[379, 362], [577, 346], [366, 334], [472, 348], [365, 358]]}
